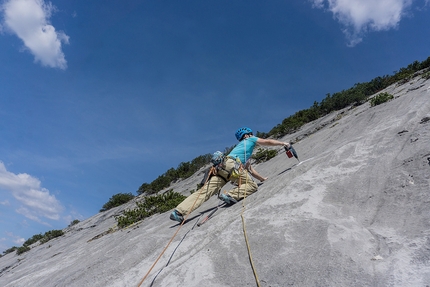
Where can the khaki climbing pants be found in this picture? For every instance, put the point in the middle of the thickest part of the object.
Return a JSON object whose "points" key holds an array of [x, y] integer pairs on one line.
{"points": [[214, 185], [245, 186]]}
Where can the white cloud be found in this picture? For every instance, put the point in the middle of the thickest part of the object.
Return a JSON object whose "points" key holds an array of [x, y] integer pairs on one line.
{"points": [[36, 201], [318, 3], [361, 16], [29, 20], [3, 243], [5, 202], [15, 238], [424, 7]]}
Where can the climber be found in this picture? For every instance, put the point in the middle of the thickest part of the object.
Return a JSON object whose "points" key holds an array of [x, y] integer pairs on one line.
{"points": [[225, 169]]}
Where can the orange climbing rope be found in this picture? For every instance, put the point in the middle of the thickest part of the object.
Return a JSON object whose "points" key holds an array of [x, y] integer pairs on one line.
{"points": [[244, 228], [247, 243], [174, 235]]}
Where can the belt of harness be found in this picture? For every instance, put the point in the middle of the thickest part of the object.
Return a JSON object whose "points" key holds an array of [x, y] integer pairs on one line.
{"points": [[209, 173], [218, 160], [217, 174], [233, 174]]}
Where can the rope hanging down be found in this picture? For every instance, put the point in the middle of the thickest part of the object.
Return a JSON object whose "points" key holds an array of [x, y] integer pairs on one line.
{"points": [[244, 227], [249, 249], [171, 239]]}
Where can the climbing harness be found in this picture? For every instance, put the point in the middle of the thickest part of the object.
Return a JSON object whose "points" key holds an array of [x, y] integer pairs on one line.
{"points": [[218, 160]]}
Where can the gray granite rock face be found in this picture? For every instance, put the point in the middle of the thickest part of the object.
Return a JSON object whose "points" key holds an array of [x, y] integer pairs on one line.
{"points": [[354, 212]]}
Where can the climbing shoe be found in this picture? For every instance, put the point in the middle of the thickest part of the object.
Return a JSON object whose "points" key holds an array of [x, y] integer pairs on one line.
{"points": [[227, 199], [176, 216]]}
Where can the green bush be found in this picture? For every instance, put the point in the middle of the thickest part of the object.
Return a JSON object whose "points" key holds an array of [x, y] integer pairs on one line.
{"points": [[184, 170], [33, 239], [426, 75], [356, 95], [148, 206], [117, 200], [51, 235], [74, 222], [43, 239], [10, 250], [263, 155], [381, 98], [22, 249]]}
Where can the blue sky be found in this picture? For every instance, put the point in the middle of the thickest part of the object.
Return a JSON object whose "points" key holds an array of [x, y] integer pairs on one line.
{"points": [[98, 97]]}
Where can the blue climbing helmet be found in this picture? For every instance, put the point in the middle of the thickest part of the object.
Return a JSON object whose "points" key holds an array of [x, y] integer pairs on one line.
{"points": [[241, 132]]}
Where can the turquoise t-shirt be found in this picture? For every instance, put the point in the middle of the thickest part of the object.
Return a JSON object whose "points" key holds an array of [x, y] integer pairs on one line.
{"points": [[244, 149]]}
